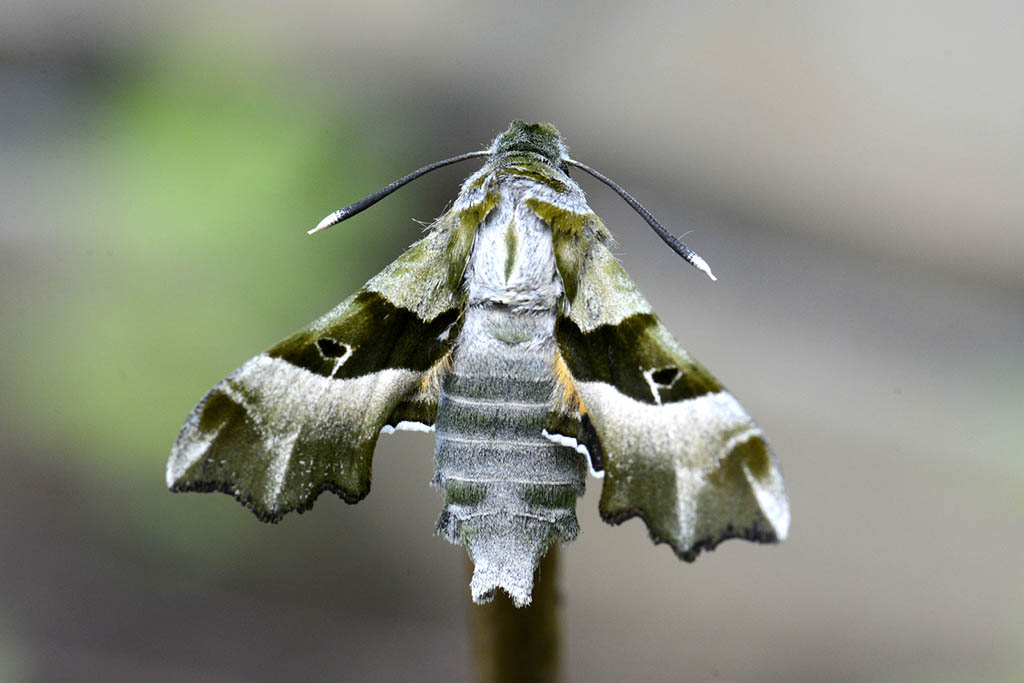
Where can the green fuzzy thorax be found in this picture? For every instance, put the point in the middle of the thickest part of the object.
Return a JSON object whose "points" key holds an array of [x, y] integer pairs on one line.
{"points": [[529, 166], [539, 138], [535, 152], [562, 221], [462, 225]]}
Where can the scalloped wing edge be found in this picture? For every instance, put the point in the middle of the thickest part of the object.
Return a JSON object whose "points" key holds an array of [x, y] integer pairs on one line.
{"points": [[697, 471], [275, 435]]}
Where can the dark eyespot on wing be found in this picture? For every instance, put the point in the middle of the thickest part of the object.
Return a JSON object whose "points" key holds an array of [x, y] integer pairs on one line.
{"points": [[620, 354], [677, 450], [665, 376], [305, 416], [378, 335], [330, 348]]}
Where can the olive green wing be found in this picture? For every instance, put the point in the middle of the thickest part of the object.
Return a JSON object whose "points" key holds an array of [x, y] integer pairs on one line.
{"points": [[677, 449], [304, 416]]}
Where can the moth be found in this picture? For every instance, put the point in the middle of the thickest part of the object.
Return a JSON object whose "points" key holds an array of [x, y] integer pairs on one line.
{"points": [[510, 331]]}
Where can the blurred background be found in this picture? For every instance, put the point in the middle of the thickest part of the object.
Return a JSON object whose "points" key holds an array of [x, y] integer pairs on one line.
{"points": [[853, 172]]}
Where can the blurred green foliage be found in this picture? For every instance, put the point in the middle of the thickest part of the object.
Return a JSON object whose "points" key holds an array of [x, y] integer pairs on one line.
{"points": [[178, 251]]}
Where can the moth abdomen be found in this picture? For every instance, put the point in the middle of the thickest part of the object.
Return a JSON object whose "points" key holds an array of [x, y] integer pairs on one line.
{"points": [[506, 418], [506, 486], [528, 461]]}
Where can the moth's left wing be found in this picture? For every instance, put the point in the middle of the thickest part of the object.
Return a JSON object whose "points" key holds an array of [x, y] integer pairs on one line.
{"points": [[677, 449], [304, 416]]}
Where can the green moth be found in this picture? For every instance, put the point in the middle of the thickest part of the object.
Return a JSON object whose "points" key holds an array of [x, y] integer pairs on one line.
{"points": [[512, 332]]}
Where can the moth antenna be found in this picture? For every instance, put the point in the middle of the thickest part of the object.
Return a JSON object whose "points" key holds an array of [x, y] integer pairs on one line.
{"points": [[365, 203], [692, 257]]}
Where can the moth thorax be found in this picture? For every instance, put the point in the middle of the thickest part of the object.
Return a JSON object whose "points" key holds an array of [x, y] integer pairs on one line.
{"points": [[513, 259]]}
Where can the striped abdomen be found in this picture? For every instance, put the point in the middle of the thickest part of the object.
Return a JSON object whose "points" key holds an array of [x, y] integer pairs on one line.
{"points": [[509, 492]]}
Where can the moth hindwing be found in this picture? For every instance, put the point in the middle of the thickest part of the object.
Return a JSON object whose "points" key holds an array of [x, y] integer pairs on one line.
{"points": [[511, 330]]}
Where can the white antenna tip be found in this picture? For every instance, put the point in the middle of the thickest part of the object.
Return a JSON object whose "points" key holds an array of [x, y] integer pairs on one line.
{"points": [[703, 266], [335, 217]]}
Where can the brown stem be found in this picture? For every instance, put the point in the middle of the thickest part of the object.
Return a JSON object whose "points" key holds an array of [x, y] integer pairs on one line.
{"points": [[520, 644]]}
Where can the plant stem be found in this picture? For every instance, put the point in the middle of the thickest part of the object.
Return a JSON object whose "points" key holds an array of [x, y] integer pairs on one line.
{"points": [[520, 644]]}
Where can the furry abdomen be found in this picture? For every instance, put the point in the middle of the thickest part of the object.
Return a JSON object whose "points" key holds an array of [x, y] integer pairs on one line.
{"points": [[509, 491]]}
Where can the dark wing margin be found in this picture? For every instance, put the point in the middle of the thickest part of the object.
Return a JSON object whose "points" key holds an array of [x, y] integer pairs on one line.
{"points": [[678, 450], [304, 416]]}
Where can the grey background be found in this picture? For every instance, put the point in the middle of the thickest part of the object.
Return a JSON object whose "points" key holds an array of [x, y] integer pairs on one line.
{"points": [[852, 172]]}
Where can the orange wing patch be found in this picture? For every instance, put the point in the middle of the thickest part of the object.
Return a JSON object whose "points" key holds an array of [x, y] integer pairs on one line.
{"points": [[567, 398], [430, 385]]}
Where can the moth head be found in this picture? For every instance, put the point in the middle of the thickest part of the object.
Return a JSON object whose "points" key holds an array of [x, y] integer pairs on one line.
{"points": [[539, 138], [536, 138]]}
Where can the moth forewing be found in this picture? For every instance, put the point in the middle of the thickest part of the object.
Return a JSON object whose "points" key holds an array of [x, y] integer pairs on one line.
{"points": [[680, 451], [514, 333], [304, 417]]}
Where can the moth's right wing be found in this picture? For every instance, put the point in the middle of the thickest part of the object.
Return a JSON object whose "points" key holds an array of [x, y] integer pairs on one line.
{"points": [[304, 416], [676, 448]]}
